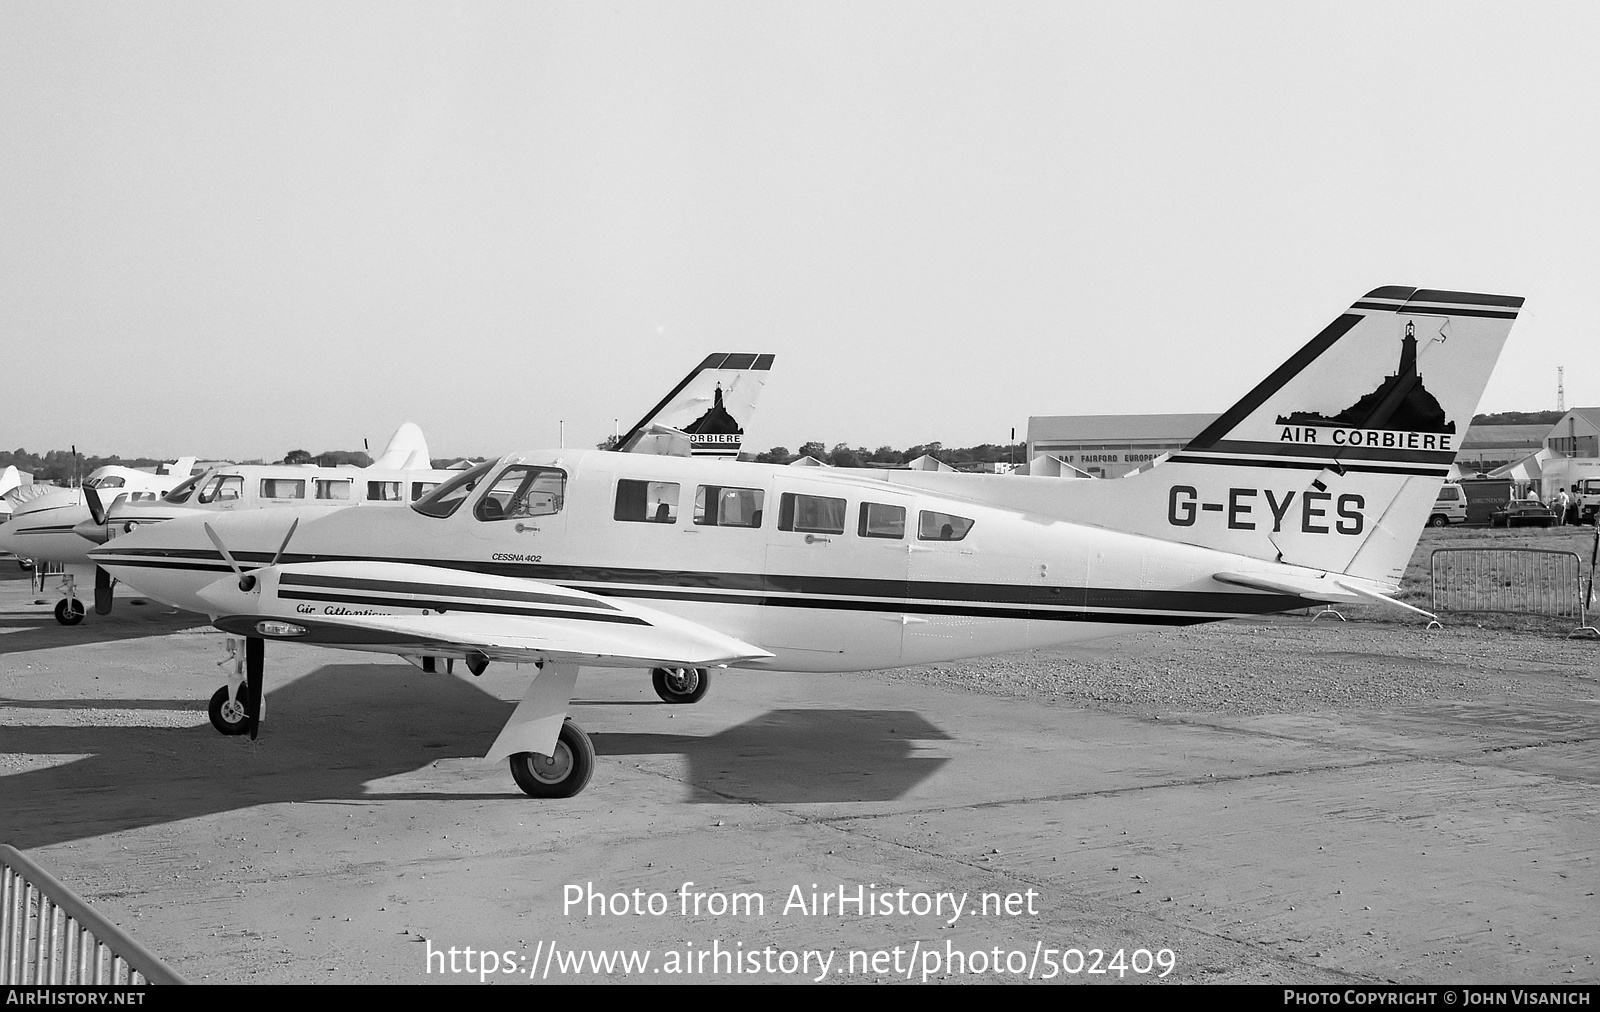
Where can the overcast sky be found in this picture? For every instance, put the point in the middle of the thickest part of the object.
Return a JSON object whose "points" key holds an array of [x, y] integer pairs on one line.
{"points": [[234, 229]]}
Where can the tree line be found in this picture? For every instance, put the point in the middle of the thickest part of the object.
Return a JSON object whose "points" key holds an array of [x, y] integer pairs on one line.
{"points": [[845, 455]]}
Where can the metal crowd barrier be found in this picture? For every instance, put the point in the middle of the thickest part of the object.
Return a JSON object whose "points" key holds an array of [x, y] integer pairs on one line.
{"points": [[1527, 581], [48, 935]]}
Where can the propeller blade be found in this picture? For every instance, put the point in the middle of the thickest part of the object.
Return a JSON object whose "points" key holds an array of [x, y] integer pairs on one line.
{"points": [[245, 582], [96, 507], [254, 665], [286, 538]]}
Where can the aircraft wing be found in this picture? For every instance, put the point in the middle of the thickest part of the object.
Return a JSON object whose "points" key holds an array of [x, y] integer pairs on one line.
{"points": [[418, 610]]}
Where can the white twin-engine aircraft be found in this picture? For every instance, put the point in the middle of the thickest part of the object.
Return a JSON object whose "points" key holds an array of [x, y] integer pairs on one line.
{"points": [[1314, 487], [42, 527]]}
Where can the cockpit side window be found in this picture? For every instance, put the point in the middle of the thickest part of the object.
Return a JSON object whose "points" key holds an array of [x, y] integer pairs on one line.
{"points": [[447, 498], [523, 491], [108, 481], [183, 490], [222, 488]]}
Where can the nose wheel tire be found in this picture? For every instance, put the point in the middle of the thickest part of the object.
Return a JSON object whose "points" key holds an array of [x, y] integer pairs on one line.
{"points": [[227, 714], [681, 685], [69, 611], [560, 775]]}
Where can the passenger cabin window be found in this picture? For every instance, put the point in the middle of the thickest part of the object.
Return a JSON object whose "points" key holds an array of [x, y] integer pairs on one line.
{"points": [[717, 506], [523, 491], [383, 491], [648, 502], [879, 520], [283, 488], [814, 513], [933, 526], [447, 498], [333, 488], [223, 488], [422, 488]]}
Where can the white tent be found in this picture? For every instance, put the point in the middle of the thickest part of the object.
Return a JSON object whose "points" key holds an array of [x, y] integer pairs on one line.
{"points": [[927, 463], [1048, 465], [1526, 470]]}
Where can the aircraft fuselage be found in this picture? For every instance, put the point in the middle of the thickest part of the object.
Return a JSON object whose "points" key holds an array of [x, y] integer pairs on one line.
{"points": [[828, 570]]}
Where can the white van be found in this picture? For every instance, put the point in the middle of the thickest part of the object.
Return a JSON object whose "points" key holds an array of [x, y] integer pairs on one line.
{"points": [[1449, 508]]}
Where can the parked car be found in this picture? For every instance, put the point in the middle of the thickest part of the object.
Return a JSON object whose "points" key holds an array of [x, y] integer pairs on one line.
{"points": [[1523, 513], [1449, 508]]}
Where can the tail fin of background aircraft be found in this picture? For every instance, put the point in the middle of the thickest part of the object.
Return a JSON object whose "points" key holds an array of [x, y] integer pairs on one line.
{"points": [[407, 450], [1334, 461], [712, 406]]}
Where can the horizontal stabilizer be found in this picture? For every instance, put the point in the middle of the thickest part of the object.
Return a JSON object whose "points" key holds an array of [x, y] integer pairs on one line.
{"points": [[1325, 589], [1312, 588]]}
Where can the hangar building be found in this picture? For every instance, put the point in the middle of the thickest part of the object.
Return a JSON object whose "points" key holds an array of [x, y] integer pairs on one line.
{"points": [[1109, 446]]}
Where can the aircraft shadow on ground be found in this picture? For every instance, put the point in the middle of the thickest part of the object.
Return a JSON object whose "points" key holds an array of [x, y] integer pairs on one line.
{"points": [[798, 756], [335, 730], [30, 631]]}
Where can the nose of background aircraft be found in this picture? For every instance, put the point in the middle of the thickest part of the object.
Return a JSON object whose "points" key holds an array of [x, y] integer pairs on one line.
{"points": [[8, 538]]}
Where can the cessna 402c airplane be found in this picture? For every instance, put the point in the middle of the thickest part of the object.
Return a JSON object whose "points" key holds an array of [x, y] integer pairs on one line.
{"points": [[1312, 488]]}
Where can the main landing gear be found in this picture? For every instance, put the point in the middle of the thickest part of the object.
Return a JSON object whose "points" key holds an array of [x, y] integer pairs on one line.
{"points": [[681, 685], [560, 775]]}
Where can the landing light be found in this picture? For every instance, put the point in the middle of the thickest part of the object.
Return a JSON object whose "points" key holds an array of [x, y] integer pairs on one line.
{"points": [[280, 629]]}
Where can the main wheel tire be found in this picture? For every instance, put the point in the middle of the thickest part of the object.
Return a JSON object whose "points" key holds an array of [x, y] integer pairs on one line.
{"points": [[228, 716], [69, 611], [681, 685], [560, 775], [1438, 520]]}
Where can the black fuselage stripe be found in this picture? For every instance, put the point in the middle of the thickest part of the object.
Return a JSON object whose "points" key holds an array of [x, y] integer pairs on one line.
{"points": [[843, 592], [440, 589], [448, 606]]}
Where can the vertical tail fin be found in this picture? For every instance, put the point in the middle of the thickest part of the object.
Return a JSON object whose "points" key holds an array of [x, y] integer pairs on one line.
{"points": [[407, 450], [1333, 462], [712, 406]]}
